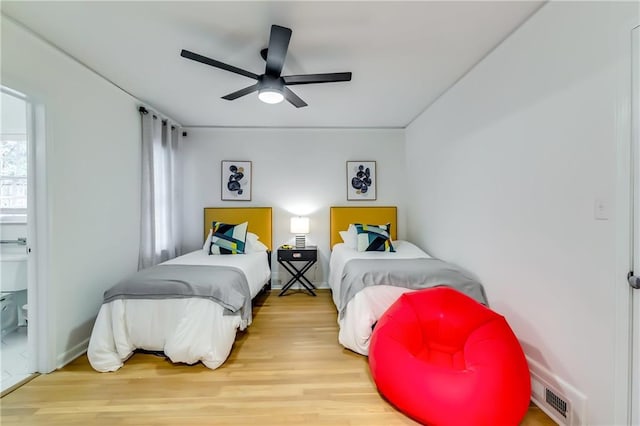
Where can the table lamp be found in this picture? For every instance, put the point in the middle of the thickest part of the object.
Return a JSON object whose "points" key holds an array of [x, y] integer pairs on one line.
{"points": [[300, 226]]}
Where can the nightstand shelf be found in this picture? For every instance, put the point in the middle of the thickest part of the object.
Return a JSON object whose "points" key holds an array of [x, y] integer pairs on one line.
{"points": [[286, 257]]}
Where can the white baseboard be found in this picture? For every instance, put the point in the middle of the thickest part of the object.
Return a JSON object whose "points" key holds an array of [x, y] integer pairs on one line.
{"points": [[551, 393], [73, 353], [277, 285]]}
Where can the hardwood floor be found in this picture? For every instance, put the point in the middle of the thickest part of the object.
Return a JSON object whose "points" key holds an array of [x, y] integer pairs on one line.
{"points": [[286, 369]]}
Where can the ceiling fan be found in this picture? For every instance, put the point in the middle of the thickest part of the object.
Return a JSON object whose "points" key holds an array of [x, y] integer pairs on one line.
{"points": [[271, 86]]}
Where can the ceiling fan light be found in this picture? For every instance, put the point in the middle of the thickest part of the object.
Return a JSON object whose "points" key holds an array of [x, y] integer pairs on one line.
{"points": [[270, 96]]}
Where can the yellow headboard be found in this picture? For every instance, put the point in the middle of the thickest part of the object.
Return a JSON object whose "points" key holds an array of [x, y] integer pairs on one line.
{"points": [[259, 218], [341, 217]]}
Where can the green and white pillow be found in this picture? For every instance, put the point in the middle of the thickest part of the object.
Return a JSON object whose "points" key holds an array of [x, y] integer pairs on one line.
{"points": [[374, 237], [227, 238]]}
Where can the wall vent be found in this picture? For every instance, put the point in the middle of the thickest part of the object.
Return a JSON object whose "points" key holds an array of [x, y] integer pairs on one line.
{"points": [[556, 402], [552, 402], [559, 400]]}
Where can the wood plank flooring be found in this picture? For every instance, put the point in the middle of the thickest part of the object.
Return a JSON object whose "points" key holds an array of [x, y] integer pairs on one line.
{"points": [[286, 369]]}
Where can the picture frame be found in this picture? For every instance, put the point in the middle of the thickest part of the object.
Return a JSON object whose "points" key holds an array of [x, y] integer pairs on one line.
{"points": [[236, 181], [362, 181]]}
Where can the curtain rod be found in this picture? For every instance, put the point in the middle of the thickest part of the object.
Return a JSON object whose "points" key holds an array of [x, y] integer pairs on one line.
{"points": [[143, 110]]}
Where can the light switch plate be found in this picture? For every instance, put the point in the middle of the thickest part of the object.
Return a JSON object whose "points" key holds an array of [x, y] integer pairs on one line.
{"points": [[600, 209]]}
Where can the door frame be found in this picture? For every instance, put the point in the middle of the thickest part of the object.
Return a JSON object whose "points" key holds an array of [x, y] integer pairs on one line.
{"points": [[40, 326], [634, 368], [41, 339], [625, 334], [40, 336]]}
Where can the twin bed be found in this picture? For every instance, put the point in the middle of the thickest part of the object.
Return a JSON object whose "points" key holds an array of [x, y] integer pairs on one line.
{"points": [[203, 301], [365, 283]]}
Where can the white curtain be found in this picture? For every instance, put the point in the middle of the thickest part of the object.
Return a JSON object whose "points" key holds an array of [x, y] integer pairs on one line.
{"points": [[160, 236]]}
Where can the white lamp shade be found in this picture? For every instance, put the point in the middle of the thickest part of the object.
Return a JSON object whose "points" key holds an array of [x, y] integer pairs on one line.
{"points": [[299, 225]]}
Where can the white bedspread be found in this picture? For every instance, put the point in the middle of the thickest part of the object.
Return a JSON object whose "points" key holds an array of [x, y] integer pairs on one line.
{"points": [[366, 307], [186, 330]]}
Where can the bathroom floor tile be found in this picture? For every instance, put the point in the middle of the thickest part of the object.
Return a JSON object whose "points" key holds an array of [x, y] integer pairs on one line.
{"points": [[14, 358]]}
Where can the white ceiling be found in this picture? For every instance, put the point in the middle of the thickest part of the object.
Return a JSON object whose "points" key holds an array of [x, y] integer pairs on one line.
{"points": [[403, 55]]}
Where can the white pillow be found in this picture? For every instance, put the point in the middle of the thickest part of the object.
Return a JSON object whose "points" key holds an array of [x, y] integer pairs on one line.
{"points": [[207, 242], [251, 238], [350, 237], [256, 247]]}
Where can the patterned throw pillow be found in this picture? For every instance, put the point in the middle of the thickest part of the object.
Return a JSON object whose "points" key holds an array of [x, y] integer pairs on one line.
{"points": [[228, 239], [374, 237]]}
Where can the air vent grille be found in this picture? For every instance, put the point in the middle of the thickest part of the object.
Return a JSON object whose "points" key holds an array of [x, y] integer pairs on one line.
{"points": [[566, 405], [556, 402]]}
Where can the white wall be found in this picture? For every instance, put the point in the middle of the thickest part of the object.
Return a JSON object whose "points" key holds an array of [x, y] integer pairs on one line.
{"points": [[511, 161], [92, 145], [295, 172]]}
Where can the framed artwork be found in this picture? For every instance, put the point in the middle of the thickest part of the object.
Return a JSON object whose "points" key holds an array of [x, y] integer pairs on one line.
{"points": [[361, 180], [236, 181]]}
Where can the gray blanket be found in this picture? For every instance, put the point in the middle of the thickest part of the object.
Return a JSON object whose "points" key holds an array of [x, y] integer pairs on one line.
{"points": [[407, 273], [224, 285]]}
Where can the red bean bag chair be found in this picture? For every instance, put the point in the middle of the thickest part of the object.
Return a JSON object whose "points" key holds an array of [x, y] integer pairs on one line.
{"points": [[444, 359]]}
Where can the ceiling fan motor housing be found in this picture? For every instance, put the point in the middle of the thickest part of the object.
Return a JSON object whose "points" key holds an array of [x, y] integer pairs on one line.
{"points": [[271, 83]]}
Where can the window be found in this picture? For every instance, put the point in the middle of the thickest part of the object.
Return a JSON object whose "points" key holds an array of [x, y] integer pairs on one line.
{"points": [[13, 158]]}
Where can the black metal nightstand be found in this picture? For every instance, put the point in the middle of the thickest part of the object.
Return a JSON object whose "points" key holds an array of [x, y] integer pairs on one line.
{"points": [[308, 255]]}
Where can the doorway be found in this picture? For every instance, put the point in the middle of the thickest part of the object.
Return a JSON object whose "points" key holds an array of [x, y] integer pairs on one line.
{"points": [[16, 131]]}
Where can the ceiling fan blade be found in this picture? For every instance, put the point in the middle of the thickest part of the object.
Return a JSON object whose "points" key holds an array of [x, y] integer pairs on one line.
{"points": [[242, 92], [293, 98], [277, 50], [316, 78], [203, 59]]}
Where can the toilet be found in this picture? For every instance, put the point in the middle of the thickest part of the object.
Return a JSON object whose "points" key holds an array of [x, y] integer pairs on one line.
{"points": [[9, 313], [13, 287]]}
